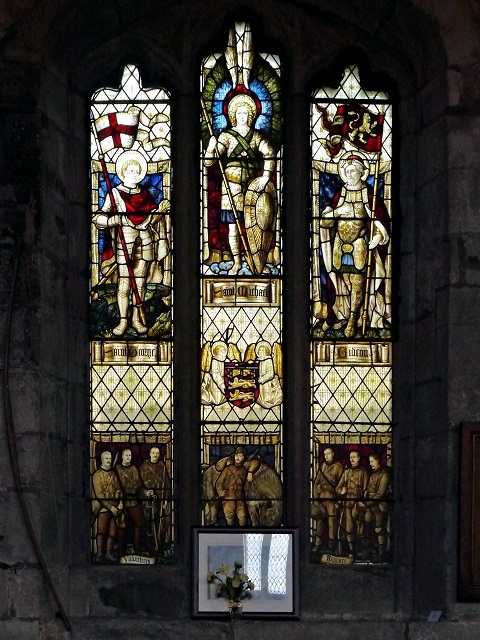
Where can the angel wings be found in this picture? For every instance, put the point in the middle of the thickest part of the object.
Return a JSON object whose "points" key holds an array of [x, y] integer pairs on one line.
{"points": [[268, 359]]}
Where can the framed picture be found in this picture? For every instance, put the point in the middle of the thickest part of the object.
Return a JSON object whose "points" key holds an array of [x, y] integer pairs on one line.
{"points": [[268, 557], [469, 535]]}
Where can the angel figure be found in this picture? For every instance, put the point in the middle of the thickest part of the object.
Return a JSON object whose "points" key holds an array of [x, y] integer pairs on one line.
{"points": [[213, 370], [270, 373]]}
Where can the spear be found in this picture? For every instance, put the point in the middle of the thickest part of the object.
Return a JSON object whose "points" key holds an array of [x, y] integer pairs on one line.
{"points": [[128, 262], [248, 253], [370, 252]]}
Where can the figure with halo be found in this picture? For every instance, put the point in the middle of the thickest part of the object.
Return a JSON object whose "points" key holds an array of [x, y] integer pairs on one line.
{"points": [[145, 245], [348, 232], [248, 167]]}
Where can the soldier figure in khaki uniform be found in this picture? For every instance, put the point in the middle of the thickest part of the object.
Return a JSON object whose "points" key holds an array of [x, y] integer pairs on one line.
{"points": [[235, 472], [106, 506], [132, 487], [156, 482], [375, 501], [324, 494], [352, 486]]}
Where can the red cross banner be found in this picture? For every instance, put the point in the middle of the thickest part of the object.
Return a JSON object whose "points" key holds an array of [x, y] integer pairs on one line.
{"points": [[117, 129]]}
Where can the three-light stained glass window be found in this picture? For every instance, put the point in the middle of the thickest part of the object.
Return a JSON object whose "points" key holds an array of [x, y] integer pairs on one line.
{"points": [[351, 324], [241, 285], [131, 417]]}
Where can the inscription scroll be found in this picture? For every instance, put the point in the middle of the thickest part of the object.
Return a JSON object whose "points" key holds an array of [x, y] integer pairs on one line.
{"points": [[258, 293], [125, 352]]}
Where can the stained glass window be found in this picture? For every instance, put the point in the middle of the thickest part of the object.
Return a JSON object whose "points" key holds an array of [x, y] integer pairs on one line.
{"points": [[131, 429], [351, 324], [241, 285]]}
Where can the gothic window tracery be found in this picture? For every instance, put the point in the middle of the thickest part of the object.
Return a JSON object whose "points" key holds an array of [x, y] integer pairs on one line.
{"points": [[351, 324], [131, 383], [241, 286]]}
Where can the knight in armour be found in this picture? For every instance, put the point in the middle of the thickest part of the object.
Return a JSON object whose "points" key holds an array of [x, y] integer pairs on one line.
{"points": [[348, 232], [144, 229], [244, 148]]}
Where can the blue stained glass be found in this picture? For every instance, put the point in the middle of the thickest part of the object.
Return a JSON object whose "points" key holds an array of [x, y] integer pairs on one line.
{"points": [[154, 184], [330, 184], [264, 120]]}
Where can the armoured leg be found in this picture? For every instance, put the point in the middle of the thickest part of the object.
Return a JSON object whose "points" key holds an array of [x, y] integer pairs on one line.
{"points": [[356, 284], [140, 271], [234, 241], [123, 293]]}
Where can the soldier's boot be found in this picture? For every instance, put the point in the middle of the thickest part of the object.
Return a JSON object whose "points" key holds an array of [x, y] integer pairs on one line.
{"points": [[357, 293], [234, 241], [137, 540], [121, 542], [382, 553], [111, 556], [362, 548], [351, 545], [382, 549], [317, 545], [100, 548]]}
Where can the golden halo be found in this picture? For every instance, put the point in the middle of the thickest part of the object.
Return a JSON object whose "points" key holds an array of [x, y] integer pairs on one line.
{"points": [[239, 100], [266, 346], [349, 158], [219, 348], [125, 158]]}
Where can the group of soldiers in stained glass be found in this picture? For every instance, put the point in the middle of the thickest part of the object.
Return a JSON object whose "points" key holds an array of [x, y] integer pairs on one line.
{"points": [[351, 507], [131, 506], [242, 488]]}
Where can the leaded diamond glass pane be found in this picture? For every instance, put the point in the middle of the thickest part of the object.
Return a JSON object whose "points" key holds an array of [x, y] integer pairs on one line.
{"points": [[352, 324], [241, 295], [131, 432]]}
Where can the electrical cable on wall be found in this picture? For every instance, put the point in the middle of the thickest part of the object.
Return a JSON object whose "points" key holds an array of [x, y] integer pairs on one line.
{"points": [[12, 446]]}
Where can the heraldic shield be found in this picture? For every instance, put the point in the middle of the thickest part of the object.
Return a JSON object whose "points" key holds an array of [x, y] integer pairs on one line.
{"points": [[260, 214], [241, 383]]}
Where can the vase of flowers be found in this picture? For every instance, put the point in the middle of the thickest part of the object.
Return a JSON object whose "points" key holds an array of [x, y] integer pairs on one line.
{"points": [[235, 610], [234, 586]]}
